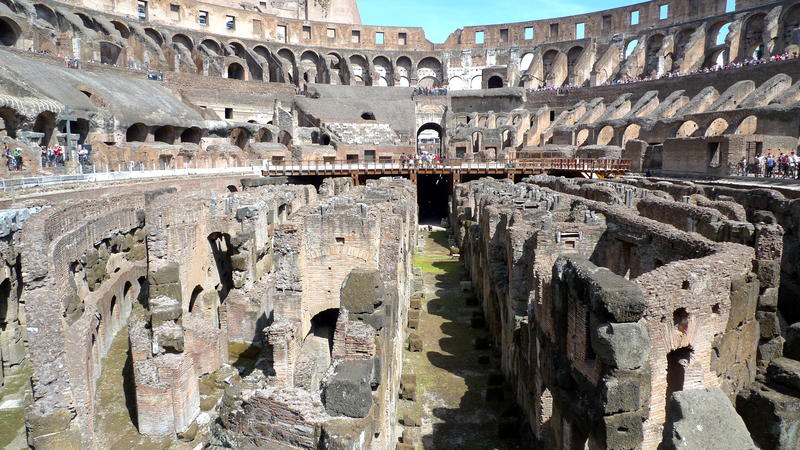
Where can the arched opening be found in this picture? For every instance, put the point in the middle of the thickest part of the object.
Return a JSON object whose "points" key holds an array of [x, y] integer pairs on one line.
{"points": [[136, 133], [192, 135], [109, 53], [687, 129], [284, 138], [653, 58], [717, 127], [45, 123], [752, 40], [237, 49], [8, 122], [367, 115], [358, 70], [631, 132], [232, 188], [581, 137], [195, 296], [606, 135], [323, 325], [87, 21], [79, 126], [383, 70], [429, 82], [430, 67], [287, 59], [9, 32], [748, 125], [240, 137], [477, 141], [789, 23], [222, 251], [630, 48], [46, 14], [236, 71], [494, 82], [165, 134], [154, 35], [476, 82], [113, 308], [429, 139], [677, 362], [212, 47], [264, 135], [123, 30]]}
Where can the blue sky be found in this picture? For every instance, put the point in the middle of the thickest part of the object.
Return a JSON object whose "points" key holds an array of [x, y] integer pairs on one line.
{"points": [[442, 17]]}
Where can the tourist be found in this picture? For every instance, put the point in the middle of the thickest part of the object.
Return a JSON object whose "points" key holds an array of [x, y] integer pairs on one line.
{"points": [[17, 159], [770, 166], [742, 168]]}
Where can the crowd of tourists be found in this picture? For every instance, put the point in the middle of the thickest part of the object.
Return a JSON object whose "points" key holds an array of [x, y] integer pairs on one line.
{"points": [[13, 158], [422, 160], [771, 166], [429, 91], [675, 74], [52, 156]]}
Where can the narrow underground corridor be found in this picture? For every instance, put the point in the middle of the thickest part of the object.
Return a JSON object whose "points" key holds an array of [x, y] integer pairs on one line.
{"points": [[460, 399]]}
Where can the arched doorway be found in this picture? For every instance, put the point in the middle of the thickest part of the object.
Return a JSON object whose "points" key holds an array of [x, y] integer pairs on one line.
{"points": [[136, 133], [9, 32], [429, 139], [494, 82], [236, 71]]}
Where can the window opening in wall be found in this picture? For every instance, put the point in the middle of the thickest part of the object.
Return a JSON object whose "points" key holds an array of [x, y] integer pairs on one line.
{"points": [[479, 37], [282, 33], [460, 152], [504, 35], [340, 240], [402, 38], [580, 30], [663, 12], [730, 6], [175, 11], [262, 6], [553, 30], [607, 21], [202, 18], [277, 159], [355, 37], [378, 38], [230, 22], [713, 154], [352, 158], [331, 34], [630, 48], [142, 9], [229, 113], [369, 155], [528, 33], [635, 18], [306, 32], [552, 116]]}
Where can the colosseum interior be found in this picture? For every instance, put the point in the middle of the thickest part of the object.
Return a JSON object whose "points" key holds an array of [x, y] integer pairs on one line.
{"points": [[573, 233]]}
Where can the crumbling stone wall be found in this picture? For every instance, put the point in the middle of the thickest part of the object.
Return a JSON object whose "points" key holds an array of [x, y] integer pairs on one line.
{"points": [[694, 324]]}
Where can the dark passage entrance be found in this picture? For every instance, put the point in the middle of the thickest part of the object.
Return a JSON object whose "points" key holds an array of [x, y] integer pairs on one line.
{"points": [[324, 325], [432, 194]]}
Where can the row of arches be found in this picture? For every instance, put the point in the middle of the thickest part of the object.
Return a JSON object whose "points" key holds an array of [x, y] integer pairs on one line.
{"points": [[168, 134]]}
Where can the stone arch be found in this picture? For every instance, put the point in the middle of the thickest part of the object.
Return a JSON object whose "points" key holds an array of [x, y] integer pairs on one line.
{"points": [[403, 68], [45, 123], [310, 67], [554, 67], [428, 82], [238, 49], [123, 29], [236, 71], [716, 57], [264, 135], [748, 125], [9, 32], [182, 40], [456, 83], [8, 122], [606, 135], [358, 69], [165, 134], [494, 82], [631, 132], [682, 39], [192, 135], [717, 33], [581, 137], [136, 133], [426, 140], [88, 22], [155, 35], [284, 137], [687, 129], [717, 127], [109, 53], [790, 21], [573, 55], [752, 37], [240, 137], [289, 67], [383, 69], [430, 67], [476, 82], [653, 54], [337, 71], [525, 62], [477, 141], [46, 14], [212, 46]]}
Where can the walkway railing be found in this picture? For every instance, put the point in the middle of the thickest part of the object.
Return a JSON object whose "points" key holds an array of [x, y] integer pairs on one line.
{"points": [[396, 165]]}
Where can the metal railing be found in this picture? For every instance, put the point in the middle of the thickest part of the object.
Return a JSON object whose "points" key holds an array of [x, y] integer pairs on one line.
{"points": [[580, 164]]}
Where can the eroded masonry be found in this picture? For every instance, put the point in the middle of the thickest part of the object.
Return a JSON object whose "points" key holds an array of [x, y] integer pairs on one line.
{"points": [[268, 225]]}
